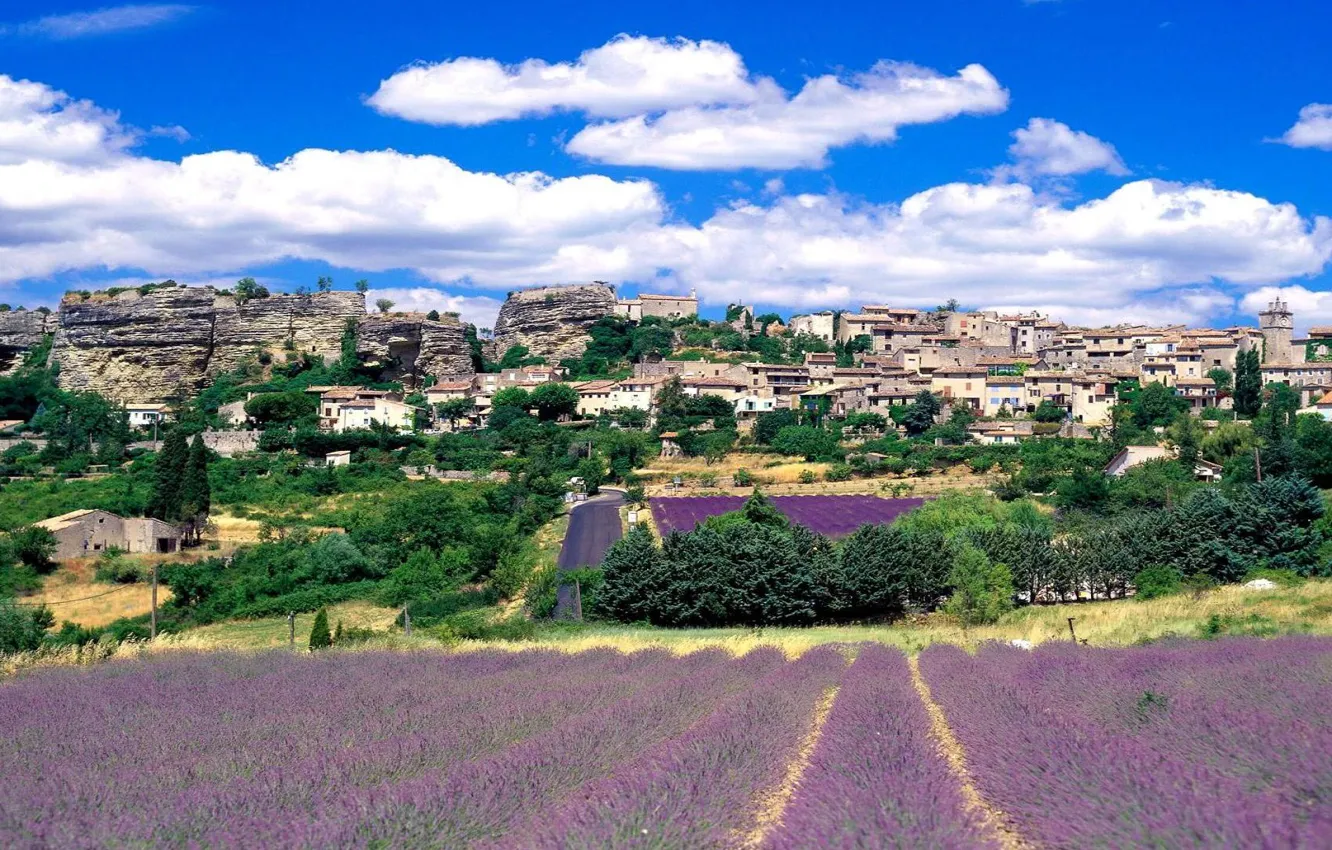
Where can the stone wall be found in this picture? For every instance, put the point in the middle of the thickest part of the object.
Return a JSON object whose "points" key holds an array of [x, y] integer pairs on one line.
{"points": [[552, 321]]}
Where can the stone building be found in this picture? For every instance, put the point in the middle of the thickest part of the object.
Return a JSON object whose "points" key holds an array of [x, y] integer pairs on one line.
{"points": [[87, 533], [1278, 327], [661, 306]]}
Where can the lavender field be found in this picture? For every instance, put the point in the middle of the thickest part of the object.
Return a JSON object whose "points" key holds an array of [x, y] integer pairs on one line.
{"points": [[1216, 744], [834, 516]]}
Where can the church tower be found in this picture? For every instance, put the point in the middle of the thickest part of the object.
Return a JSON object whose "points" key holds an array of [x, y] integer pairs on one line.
{"points": [[1277, 324]]}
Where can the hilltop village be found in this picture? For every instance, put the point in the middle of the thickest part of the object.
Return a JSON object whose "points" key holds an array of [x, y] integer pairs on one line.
{"points": [[150, 348]]}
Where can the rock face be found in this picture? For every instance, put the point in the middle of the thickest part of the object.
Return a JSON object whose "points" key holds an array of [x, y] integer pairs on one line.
{"points": [[552, 321], [408, 346], [20, 331], [134, 347]]}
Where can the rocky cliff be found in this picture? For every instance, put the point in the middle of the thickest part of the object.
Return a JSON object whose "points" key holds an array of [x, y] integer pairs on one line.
{"points": [[408, 346], [20, 331], [552, 321], [149, 347]]}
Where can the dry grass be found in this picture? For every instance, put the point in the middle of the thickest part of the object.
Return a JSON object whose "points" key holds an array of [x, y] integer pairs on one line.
{"points": [[273, 632], [74, 581], [952, 751]]}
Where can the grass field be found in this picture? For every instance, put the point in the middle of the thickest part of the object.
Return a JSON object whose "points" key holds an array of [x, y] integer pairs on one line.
{"points": [[1305, 609]]}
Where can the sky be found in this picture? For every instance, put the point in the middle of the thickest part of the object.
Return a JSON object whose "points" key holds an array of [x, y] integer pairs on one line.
{"points": [[1133, 161]]}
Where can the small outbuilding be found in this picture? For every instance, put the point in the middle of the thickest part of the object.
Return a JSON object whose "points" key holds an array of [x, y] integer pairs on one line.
{"points": [[85, 533], [342, 458]]}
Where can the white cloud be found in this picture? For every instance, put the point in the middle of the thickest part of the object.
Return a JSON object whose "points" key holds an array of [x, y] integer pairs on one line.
{"points": [[480, 310], [777, 132], [101, 21], [1048, 148], [83, 207], [625, 76], [37, 122], [1148, 249], [1313, 130], [997, 244], [173, 131]]}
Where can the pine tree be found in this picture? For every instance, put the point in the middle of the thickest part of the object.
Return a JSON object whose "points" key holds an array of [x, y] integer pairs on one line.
{"points": [[1248, 383], [169, 476], [337, 634], [319, 634]]}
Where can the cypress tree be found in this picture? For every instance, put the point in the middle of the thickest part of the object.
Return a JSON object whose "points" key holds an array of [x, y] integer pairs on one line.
{"points": [[1248, 383], [337, 634], [195, 495], [169, 476], [319, 634]]}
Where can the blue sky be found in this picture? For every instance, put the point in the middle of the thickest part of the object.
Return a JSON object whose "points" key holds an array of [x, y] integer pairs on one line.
{"points": [[1148, 179]]}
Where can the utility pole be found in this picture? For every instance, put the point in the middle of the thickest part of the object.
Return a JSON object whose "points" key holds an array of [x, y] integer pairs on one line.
{"points": [[291, 629], [153, 627], [1072, 633], [578, 601], [1258, 464], [406, 621]]}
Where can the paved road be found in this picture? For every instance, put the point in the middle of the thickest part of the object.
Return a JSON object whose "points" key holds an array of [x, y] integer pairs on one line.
{"points": [[593, 526]]}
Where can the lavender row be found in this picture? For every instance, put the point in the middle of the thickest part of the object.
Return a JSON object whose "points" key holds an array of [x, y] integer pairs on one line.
{"points": [[483, 799], [834, 516], [699, 789], [1211, 744], [877, 778], [169, 751]]}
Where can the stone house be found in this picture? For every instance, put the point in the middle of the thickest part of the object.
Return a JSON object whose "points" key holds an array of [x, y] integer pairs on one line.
{"points": [[86, 533]]}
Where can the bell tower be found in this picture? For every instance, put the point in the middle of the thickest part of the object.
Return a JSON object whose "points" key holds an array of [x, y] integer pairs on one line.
{"points": [[1278, 326]]}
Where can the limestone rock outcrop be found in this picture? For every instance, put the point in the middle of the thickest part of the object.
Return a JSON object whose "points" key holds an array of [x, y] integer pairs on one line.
{"points": [[408, 346], [552, 321], [21, 331], [172, 341]]}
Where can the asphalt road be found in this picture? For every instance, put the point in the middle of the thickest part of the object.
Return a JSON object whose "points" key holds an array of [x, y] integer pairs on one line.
{"points": [[594, 526]]}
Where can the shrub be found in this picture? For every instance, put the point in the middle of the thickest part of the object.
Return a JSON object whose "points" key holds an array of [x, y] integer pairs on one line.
{"points": [[982, 591], [1158, 581], [838, 472], [320, 638], [807, 476], [743, 478]]}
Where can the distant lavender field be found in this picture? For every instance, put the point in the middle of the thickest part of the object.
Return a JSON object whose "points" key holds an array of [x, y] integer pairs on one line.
{"points": [[834, 516], [1217, 744]]}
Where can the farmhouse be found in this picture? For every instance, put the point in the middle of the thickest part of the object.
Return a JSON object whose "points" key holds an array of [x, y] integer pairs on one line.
{"points": [[82, 533]]}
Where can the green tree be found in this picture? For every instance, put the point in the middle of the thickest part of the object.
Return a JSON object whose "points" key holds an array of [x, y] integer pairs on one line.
{"points": [[22, 629], [383, 304], [325, 283], [33, 546], [918, 417], [248, 289], [363, 286], [425, 575], [554, 400], [982, 591], [1248, 383], [1223, 379], [1186, 434], [195, 495], [633, 577], [813, 444], [169, 477], [767, 425], [282, 409], [513, 357], [1156, 405], [432, 316], [320, 637], [455, 409], [1048, 411]]}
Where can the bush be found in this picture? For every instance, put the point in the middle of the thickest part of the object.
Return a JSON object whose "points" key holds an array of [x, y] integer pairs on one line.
{"points": [[113, 566], [807, 476], [1158, 581], [838, 472], [742, 478], [982, 591], [1284, 578], [320, 638]]}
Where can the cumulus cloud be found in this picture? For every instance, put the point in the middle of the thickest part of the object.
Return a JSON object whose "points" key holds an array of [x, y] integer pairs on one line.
{"points": [[1048, 148], [40, 123], [622, 77], [99, 22], [1313, 129], [685, 104], [1311, 307], [996, 244], [480, 310], [777, 132], [81, 206], [1148, 249]]}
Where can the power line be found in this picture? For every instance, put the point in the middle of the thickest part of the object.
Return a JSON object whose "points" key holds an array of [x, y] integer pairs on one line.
{"points": [[68, 601]]}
